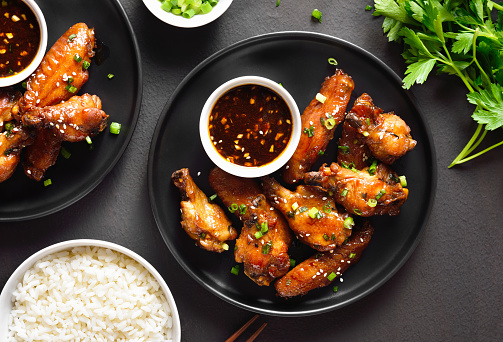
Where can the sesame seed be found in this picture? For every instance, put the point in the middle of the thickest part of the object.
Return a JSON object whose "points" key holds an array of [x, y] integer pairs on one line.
{"points": [[342, 280]]}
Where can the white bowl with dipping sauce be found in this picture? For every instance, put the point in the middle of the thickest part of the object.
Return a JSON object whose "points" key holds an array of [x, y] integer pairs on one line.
{"points": [[74, 260], [29, 58], [200, 19], [244, 140]]}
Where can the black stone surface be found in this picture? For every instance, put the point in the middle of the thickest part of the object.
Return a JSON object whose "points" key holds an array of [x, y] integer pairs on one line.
{"points": [[449, 289]]}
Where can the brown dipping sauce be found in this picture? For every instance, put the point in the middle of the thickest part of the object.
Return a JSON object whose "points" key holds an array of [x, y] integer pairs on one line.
{"points": [[250, 125], [19, 37]]}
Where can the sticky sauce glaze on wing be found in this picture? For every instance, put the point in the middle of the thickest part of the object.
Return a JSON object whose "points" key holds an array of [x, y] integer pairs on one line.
{"points": [[321, 269], [62, 71], [319, 121], [263, 244]]}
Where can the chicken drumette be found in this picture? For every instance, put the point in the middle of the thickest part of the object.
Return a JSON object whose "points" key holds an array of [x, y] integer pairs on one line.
{"points": [[387, 135], [360, 192], [318, 122], [322, 268], [203, 221], [311, 214], [265, 238]]}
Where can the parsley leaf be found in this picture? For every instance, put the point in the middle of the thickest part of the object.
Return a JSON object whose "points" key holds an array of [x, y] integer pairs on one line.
{"points": [[461, 38]]}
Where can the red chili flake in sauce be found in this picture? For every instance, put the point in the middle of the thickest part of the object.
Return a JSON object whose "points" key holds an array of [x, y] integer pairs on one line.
{"points": [[19, 37], [250, 125]]}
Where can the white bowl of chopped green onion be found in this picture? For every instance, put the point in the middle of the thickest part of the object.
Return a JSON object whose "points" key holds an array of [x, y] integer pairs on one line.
{"points": [[187, 13]]}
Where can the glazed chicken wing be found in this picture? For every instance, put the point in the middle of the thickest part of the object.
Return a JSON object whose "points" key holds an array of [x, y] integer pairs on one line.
{"points": [[352, 149], [12, 141], [360, 192], [318, 122], [63, 70], [321, 269], [72, 120], [8, 98], [387, 135], [265, 238], [311, 214], [204, 222], [41, 154]]}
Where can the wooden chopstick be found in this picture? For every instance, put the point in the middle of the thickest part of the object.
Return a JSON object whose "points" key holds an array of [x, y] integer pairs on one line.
{"points": [[256, 333], [244, 327]]}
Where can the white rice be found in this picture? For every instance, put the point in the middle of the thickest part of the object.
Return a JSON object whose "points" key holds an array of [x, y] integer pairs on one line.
{"points": [[89, 294]]}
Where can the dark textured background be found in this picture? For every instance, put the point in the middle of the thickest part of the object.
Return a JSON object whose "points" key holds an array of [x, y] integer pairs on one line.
{"points": [[449, 289]]}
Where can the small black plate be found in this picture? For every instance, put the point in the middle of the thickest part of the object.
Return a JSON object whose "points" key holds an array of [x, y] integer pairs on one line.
{"points": [[299, 61], [75, 177]]}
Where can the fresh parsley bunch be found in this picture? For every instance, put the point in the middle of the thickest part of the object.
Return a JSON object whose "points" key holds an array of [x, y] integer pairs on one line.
{"points": [[462, 38]]}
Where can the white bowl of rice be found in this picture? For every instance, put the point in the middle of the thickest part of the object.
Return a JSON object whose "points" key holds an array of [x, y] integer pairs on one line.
{"points": [[87, 290]]}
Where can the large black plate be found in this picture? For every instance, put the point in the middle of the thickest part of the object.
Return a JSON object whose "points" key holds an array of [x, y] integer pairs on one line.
{"points": [[299, 62], [121, 98]]}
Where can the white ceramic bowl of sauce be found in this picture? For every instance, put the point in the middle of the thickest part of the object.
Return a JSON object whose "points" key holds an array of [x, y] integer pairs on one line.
{"points": [[28, 57], [243, 139]]}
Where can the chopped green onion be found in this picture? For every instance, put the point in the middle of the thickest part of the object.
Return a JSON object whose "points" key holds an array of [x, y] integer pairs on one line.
{"points": [[206, 7], [88, 140], [320, 152], [258, 235], [366, 134], [332, 237], [357, 211], [403, 181], [368, 8], [77, 58], [326, 237], [47, 182], [352, 255], [312, 212], [336, 288], [292, 262], [303, 209], [344, 192], [86, 65], [309, 131], [349, 222], [264, 228], [330, 123], [189, 13], [316, 14], [71, 88], [290, 214], [266, 248], [321, 98], [69, 79], [331, 276], [372, 168], [70, 37], [295, 206], [343, 149], [327, 208], [166, 5], [372, 202], [380, 194], [288, 282], [235, 270], [212, 197], [202, 235], [115, 128], [242, 209], [332, 61], [233, 207], [65, 153], [225, 246], [277, 3], [110, 76]]}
